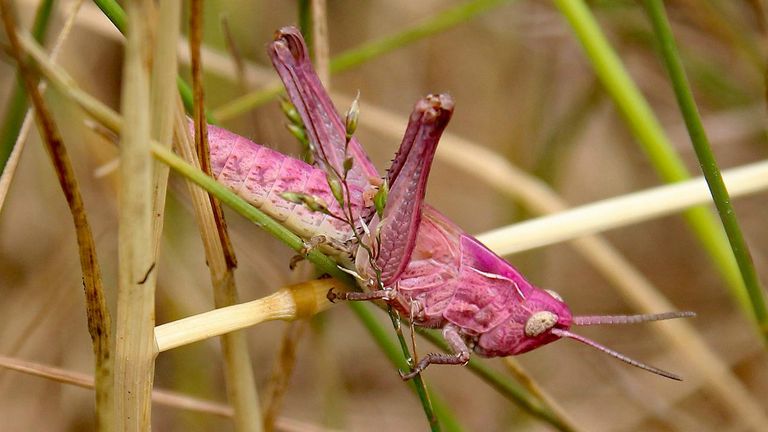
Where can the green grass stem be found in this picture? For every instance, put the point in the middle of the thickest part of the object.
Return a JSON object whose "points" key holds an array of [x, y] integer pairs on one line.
{"points": [[17, 103], [689, 110], [506, 387], [646, 128], [383, 339]]}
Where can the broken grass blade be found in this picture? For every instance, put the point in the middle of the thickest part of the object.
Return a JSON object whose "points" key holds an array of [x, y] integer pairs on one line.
{"points": [[292, 302]]}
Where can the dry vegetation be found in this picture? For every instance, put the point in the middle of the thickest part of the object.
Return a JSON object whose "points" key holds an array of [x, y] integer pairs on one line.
{"points": [[523, 89]]}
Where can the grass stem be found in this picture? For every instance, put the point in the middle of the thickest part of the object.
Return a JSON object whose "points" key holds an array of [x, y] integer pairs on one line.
{"points": [[709, 166], [646, 128]]}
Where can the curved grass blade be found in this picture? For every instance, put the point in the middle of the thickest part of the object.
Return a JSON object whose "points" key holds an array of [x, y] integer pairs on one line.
{"points": [[646, 128], [689, 110]]}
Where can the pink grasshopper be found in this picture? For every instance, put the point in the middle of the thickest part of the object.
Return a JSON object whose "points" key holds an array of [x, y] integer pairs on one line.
{"points": [[406, 253]]}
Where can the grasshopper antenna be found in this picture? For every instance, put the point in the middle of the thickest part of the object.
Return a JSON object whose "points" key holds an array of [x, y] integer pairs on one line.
{"points": [[622, 319], [612, 353], [628, 319]]}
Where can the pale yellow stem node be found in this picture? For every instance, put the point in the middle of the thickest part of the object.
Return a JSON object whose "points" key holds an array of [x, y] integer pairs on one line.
{"points": [[289, 303]]}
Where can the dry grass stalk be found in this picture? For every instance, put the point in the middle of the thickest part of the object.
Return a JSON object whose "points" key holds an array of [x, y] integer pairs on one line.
{"points": [[239, 375], [135, 347], [320, 41], [621, 211], [13, 161], [281, 373], [99, 321], [163, 91], [201, 125], [241, 386], [159, 396], [162, 397]]}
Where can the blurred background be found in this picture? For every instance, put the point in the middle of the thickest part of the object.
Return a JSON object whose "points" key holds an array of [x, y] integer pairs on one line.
{"points": [[524, 89]]}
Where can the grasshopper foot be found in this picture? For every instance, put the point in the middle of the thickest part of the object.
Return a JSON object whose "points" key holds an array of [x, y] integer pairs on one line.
{"points": [[459, 356]]}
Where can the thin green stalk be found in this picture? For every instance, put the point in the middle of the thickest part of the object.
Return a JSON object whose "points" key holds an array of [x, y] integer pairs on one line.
{"points": [[17, 103], [502, 384], [383, 338], [305, 22], [417, 381], [648, 132], [663, 31], [438, 23], [367, 51], [114, 12]]}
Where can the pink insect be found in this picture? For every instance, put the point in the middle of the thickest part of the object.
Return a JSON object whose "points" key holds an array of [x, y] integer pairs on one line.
{"points": [[405, 252]]}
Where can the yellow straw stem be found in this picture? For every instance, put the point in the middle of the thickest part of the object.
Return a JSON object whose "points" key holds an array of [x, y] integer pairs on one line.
{"points": [[292, 302]]}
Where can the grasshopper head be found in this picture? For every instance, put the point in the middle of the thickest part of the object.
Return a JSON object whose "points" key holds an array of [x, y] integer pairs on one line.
{"points": [[543, 318], [531, 325]]}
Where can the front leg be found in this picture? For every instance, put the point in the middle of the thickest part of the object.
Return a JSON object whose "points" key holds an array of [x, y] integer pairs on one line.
{"points": [[459, 353]]}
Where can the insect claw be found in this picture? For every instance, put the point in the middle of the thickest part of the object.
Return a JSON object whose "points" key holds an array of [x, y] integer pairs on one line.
{"points": [[331, 296], [410, 375], [390, 295]]}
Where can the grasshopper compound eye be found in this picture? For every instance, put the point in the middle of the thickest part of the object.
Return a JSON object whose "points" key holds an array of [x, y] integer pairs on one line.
{"points": [[540, 322]]}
